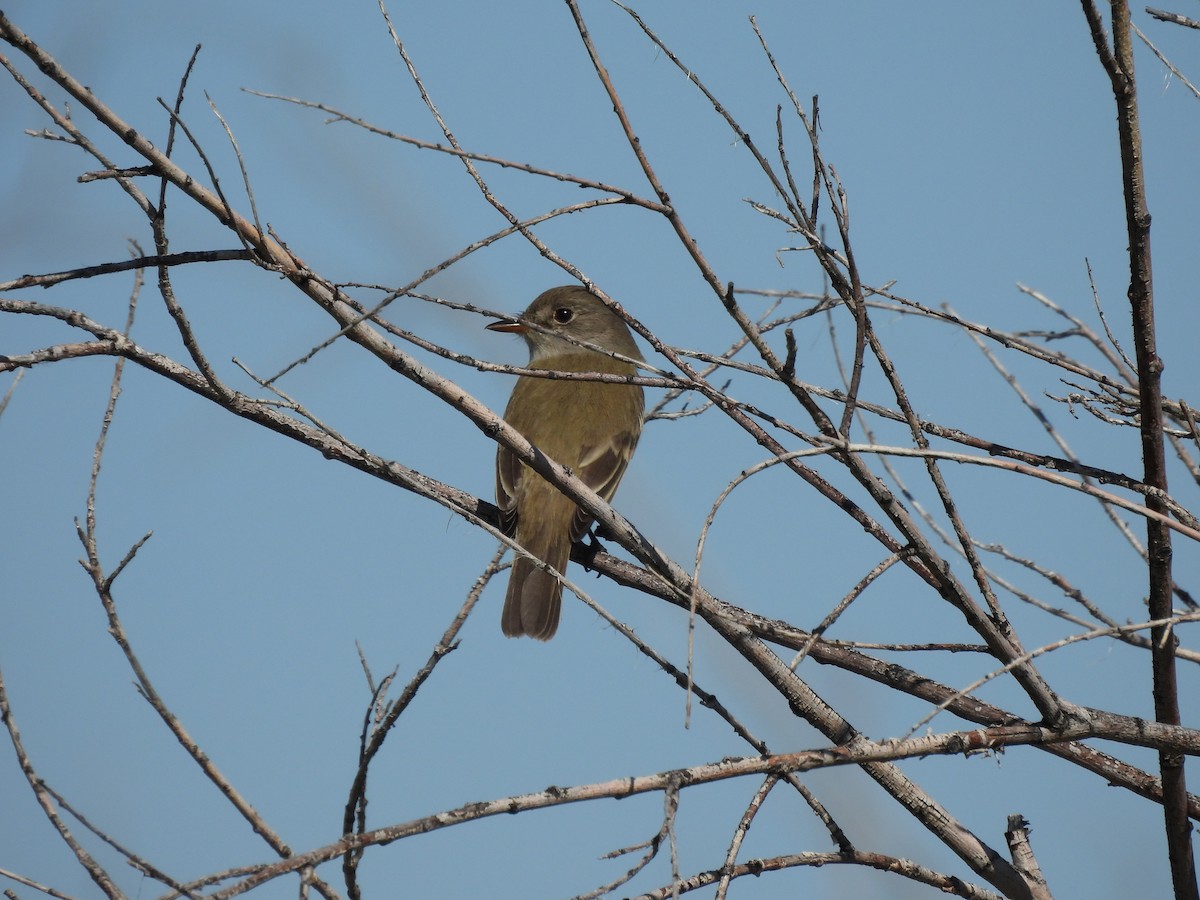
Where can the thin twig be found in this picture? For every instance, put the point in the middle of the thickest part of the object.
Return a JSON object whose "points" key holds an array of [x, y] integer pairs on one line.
{"points": [[1091, 635], [95, 871], [125, 265], [620, 194], [906, 868], [832, 616], [354, 814], [739, 833]]}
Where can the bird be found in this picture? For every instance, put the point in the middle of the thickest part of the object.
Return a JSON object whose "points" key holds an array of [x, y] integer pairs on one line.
{"points": [[590, 427]]}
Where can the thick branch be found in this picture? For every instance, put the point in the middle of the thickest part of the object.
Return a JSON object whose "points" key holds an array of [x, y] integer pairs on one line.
{"points": [[1118, 64]]}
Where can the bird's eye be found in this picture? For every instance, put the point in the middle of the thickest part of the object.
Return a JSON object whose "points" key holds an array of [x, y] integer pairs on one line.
{"points": [[563, 315]]}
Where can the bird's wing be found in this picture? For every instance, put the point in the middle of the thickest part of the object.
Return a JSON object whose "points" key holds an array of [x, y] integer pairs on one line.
{"points": [[601, 470], [509, 471]]}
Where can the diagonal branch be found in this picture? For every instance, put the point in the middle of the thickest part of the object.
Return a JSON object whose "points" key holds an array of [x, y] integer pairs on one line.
{"points": [[46, 801]]}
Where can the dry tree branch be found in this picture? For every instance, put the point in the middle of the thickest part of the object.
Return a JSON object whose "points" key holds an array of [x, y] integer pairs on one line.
{"points": [[1166, 62], [88, 863], [710, 701], [44, 795], [669, 581], [541, 247], [14, 36], [354, 816], [12, 389], [158, 224], [715, 363], [670, 809], [840, 607], [133, 859], [584, 556], [103, 585], [620, 195], [46, 801], [993, 629], [1021, 851], [739, 833], [1044, 421], [666, 831], [981, 858], [275, 256], [1116, 356], [241, 161], [955, 435], [1008, 340], [167, 291], [126, 265], [1122, 729], [906, 868], [1053, 577], [172, 125], [587, 556], [1110, 348], [866, 754], [211, 201], [1173, 18], [1075, 594], [253, 409], [1117, 61], [372, 314], [805, 702], [852, 294], [1192, 464], [1094, 633], [30, 883], [721, 401], [1049, 703], [1189, 527], [651, 848]]}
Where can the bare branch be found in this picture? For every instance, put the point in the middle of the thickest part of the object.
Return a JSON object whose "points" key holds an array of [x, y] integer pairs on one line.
{"points": [[127, 265], [101, 878], [1173, 18], [1119, 66], [354, 817], [867, 753]]}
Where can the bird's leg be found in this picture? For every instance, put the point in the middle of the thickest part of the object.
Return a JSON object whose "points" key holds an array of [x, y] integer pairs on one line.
{"points": [[591, 546]]}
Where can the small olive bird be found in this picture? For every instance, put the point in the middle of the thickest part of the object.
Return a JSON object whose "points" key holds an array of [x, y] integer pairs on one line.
{"points": [[588, 426]]}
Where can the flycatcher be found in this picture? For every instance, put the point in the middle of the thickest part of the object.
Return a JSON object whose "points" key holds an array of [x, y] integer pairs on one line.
{"points": [[590, 427]]}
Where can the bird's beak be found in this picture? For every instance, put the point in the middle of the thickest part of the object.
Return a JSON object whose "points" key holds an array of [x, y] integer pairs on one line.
{"points": [[508, 327]]}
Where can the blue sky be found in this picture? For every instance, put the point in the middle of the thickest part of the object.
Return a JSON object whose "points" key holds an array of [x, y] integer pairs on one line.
{"points": [[978, 150]]}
